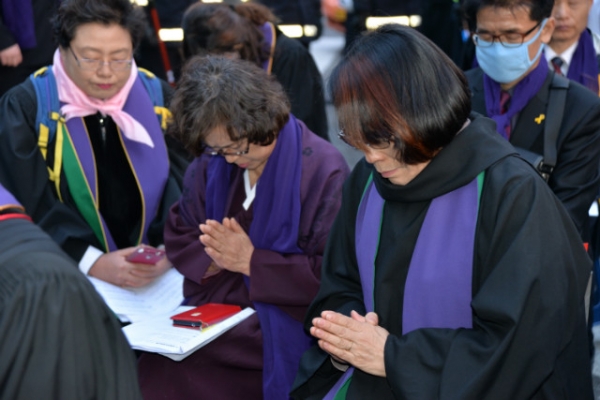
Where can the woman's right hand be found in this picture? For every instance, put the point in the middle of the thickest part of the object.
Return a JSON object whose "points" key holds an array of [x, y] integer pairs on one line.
{"points": [[114, 268]]}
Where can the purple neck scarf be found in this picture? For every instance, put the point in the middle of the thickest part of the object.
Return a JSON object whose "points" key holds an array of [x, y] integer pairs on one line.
{"points": [[18, 18], [584, 65], [522, 93], [7, 199], [434, 297], [275, 226]]}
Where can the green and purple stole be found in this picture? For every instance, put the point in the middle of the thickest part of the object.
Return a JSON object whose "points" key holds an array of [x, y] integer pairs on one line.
{"points": [[438, 286], [150, 166]]}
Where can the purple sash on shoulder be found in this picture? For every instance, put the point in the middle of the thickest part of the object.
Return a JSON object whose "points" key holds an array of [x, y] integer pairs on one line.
{"points": [[268, 31], [437, 291], [522, 93], [584, 65], [150, 165], [6, 198], [275, 226], [18, 18]]}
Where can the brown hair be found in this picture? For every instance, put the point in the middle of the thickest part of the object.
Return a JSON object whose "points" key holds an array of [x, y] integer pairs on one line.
{"points": [[220, 28], [394, 84], [233, 94]]}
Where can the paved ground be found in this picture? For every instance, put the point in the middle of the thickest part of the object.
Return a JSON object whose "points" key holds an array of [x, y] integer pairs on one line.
{"points": [[326, 51]]}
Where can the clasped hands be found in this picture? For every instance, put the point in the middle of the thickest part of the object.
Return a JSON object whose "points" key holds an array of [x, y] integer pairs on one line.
{"points": [[354, 340], [227, 244], [114, 268]]}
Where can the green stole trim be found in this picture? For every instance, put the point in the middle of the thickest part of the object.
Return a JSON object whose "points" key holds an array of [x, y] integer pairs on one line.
{"points": [[80, 189]]}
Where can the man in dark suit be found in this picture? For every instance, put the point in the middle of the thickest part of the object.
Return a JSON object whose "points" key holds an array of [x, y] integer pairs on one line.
{"points": [[573, 49], [513, 86]]}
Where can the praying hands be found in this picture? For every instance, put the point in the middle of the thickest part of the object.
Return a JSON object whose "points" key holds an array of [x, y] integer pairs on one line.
{"points": [[356, 340], [227, 244]]}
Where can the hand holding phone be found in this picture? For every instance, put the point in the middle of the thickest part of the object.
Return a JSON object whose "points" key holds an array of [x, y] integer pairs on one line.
{"points": [[146, 255]]}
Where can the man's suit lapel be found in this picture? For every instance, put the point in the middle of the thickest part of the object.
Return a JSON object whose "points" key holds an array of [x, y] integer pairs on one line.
{"points": [[477, 93], [529, 128]]}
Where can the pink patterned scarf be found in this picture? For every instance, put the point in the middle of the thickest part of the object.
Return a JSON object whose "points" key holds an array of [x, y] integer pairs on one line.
{"points": [[78, 104]]}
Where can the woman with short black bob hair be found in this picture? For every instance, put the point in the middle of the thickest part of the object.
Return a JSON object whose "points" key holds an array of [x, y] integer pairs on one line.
{"points": [[216, 93], [250, 229], [451, 271], [418, 105]]}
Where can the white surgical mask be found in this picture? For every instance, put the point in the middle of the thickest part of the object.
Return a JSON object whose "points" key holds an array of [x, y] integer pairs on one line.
{"points": [[507, 64]]}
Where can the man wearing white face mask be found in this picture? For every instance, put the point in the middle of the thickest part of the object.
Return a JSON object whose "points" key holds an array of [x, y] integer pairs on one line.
{"points": [[513, 86]]}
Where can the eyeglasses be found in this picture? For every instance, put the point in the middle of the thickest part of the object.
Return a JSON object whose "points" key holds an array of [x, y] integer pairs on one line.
{"points": [[510, 39], [380, 145], [89, 64], [228, 151]]}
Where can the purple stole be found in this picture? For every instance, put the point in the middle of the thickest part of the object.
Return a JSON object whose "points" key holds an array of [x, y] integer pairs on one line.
{"points": [[269, 39], [7, 199], [150, 165], [438, 286], [584, 65], [18, 18], [275, 226], [522, 93]]}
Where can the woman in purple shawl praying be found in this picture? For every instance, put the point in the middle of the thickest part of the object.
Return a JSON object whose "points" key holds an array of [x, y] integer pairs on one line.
{"points": [[452, 271], [249, 229]]}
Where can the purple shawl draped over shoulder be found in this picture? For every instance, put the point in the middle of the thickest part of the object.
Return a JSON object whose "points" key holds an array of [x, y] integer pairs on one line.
{"points": [[584, 65], [522, 93], [275, 226], [18, 18]]}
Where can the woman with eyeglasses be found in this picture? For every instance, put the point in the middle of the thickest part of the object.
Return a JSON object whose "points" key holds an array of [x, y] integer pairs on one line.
{"points": [[451, 271], [250, 229], [83, 148]]}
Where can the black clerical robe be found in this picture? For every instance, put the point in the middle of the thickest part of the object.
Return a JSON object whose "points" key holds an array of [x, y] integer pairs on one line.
{"points": [[295, 69], [528, 338], [24, 172], [58, 338]]}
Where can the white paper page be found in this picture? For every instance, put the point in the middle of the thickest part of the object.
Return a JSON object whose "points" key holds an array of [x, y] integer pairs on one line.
{"points": [[160, 336], [137, 304]]}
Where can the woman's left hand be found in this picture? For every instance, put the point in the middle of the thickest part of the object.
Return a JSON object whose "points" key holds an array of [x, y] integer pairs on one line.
{"points": [[357, 340], [227, 244]]}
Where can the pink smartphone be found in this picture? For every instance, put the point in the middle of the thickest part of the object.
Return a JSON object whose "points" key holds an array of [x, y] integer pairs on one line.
{"points": [[146, 255]]}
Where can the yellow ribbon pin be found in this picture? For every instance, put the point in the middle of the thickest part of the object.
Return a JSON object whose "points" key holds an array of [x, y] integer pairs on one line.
{"points": [[539, 119]]}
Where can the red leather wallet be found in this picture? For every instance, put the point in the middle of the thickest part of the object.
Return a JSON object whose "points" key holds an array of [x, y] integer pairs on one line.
{"points": [[205, 315]]}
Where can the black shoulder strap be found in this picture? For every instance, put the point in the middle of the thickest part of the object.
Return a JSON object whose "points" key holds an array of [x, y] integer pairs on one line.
{"points": [[554, 116]]}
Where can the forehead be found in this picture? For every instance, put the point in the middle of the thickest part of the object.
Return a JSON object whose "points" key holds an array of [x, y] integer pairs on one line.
{"points": [[102, 38], [572, 3], [218, 137], [495, 19]]}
